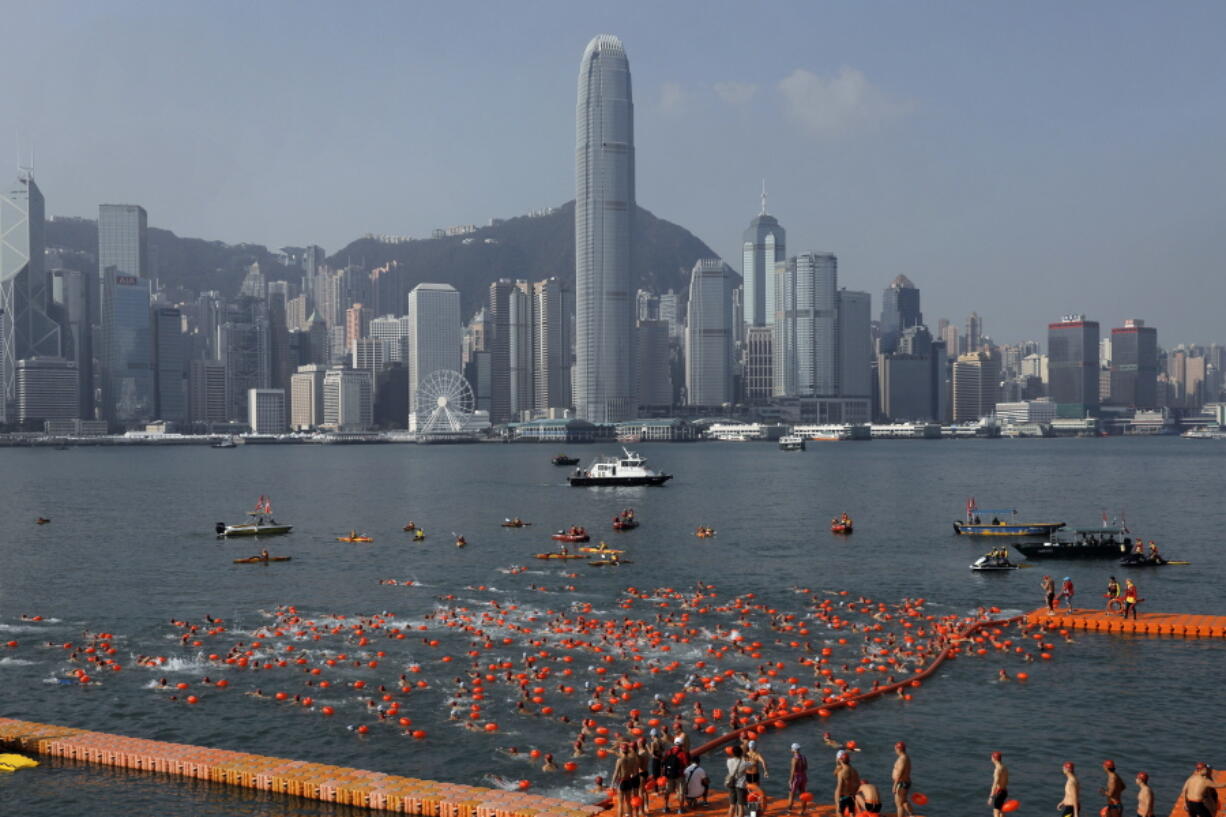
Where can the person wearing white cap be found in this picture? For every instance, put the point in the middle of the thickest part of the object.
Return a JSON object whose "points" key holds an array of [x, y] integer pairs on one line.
{"points": [[798, 779], [676, 759]]}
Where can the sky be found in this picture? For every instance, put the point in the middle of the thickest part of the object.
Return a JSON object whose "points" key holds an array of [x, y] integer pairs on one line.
{"points": [[1024, 160]]}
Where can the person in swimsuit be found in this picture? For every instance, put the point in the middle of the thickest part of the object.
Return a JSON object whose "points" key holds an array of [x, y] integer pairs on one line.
{"points": [[1000, 785], [1145, 796], [1070, 804], [1049, 592], [798, 779], [846, 784], [901, 778], [1113, 790], [868, 798], [625, 779], [1196, 792]]}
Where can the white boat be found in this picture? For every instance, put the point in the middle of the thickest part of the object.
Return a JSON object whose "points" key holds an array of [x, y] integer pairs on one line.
{"points": [[261, 524], [792, 442], [628, 469], [228, 442], [1210, 433]]}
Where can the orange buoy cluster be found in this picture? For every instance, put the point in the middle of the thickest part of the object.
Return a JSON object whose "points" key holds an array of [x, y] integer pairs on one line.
{"points": [[1175, 624], [314, 781]]}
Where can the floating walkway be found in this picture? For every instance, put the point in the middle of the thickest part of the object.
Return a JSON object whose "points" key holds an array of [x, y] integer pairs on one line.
{"points": [[1180, 624], [314, 781]]}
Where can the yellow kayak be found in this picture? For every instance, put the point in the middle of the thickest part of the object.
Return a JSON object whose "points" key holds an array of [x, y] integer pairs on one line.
{"points": [[12, 762], [355, 539]]}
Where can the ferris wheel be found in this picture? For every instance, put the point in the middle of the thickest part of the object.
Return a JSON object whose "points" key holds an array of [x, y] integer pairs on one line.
{"points": [[444, 403]]}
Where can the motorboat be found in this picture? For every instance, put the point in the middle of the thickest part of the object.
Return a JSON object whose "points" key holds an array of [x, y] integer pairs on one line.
{"points": [[228, 442], [625, 520], [1001, 523], [1083, 543], [574, 533], [562, 459], [843, 528], [262, 523], [628, 469], [792, 442]]}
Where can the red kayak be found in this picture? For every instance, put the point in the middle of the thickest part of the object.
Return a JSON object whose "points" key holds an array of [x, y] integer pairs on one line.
{"points": [[572, 537], [839, 527]]}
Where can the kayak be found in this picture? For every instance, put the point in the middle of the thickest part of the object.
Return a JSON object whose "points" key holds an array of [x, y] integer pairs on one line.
{"points": [[599, 550], [840, 528], [10, 762], [516, 524], [253, 560], [560, 556], [625, 524], [610, 563], [572, 537], [355, 539]]}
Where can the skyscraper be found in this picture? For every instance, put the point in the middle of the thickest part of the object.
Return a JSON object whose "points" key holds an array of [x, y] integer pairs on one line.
{"points": [[1134, 365], [765, 244], [708, 335], [436, 336], [976, 386], [76, 293], [26, 327], [806, 340], [900, 309], [127, 336], [554, 342], [170, 364], [520, 352], [604, 223], [974, 333], [1072, 365], [498, 341]]}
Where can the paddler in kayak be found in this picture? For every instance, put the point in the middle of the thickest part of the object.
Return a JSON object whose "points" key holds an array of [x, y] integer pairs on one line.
{"points": [[409, 526], [264, 557], [419, 535], [460, 541]]}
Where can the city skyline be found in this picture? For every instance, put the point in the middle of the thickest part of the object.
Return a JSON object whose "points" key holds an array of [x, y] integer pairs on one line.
{"points": [[968, 198]]}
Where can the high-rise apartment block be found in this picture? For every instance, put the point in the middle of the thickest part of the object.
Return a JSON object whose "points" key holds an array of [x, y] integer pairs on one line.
{"points": [[554, 341], [605, 285]]}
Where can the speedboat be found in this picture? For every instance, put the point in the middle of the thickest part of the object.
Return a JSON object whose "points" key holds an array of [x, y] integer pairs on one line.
{"points": [[1142, 560], [261, 524], [625, 520], [628, 469], [228, 442], [562, 459], [572, 534]]}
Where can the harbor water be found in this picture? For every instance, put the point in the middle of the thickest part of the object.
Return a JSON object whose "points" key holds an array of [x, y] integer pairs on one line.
{"points": [[130, 547]]}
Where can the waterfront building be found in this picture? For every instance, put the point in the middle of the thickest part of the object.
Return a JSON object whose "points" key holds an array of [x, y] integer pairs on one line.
{"points": [[391, 407], [1134, 365], [759, 368], [806, 340], [206, 392], [266, 411], [1072, 365], [127, 336], [554, 340], [603, 388], [435, 333], [900, 309], [764, 244], [854, 372], [348, 400], [307, 397], [170, 364], [27, 329], [75, 293], [1026, 412], [708, 335], [976, 386], [47, 389], [654, 369]]}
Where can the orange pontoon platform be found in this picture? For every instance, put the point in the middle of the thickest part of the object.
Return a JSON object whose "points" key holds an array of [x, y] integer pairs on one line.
{"points": [[774, 806], [1180, 624], [314, 781]]}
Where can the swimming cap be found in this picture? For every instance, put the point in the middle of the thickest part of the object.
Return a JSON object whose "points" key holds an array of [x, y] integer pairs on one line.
{"points": [[795, 747], [1108, 764], [678, 741], [1200, 767], [996, 755], [900, 745], [654, 732], [752, 744], [1143, 777], [842, 754], [1068, 766], [1066, 578]]}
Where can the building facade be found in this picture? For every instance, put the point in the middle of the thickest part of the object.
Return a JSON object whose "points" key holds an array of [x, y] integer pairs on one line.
{"points": [[708, 335], [900, 309], [1134, 365], [348, 400], [307, 397], [127, 333], [436, 336], [605, 285], [554, 342], [47, 389], [266, 411], [1072, 365], [764, 244]]}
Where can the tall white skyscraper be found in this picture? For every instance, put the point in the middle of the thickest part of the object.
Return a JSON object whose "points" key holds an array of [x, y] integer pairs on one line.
{"points": [[708, 335], [436, 336], [806, 341], [604, 223], [765, 244]]}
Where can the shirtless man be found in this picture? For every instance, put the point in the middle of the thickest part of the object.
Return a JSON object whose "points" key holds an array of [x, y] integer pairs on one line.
{"points": [[1196, 790], [846, 784], [867, 798], [1145, 796], [1113, 791], [901, 777], [1000, 785], [1070, 804]]}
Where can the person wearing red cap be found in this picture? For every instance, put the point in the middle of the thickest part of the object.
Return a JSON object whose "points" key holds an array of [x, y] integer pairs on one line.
{"points": [[1113, 791], [1145, 796], [1070, 804], [901, 777], [1195, 791], [1000, 785]]}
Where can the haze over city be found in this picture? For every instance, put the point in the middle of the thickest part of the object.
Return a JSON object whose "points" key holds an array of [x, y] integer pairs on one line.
{"points": [[1021, 162]]}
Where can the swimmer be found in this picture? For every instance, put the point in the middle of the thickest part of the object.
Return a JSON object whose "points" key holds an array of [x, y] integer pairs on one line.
{"points": [[900, 777], [999, 792], [1113, 790], [1070, 804], [868, 798]]}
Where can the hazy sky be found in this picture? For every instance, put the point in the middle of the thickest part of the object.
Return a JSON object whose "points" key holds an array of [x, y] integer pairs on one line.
{"points": [[1021, 159]]}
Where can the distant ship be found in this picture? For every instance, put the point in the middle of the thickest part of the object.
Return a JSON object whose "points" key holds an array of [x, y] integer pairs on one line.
{"points": [[974, 525], [628, 469], [792, 442]]}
